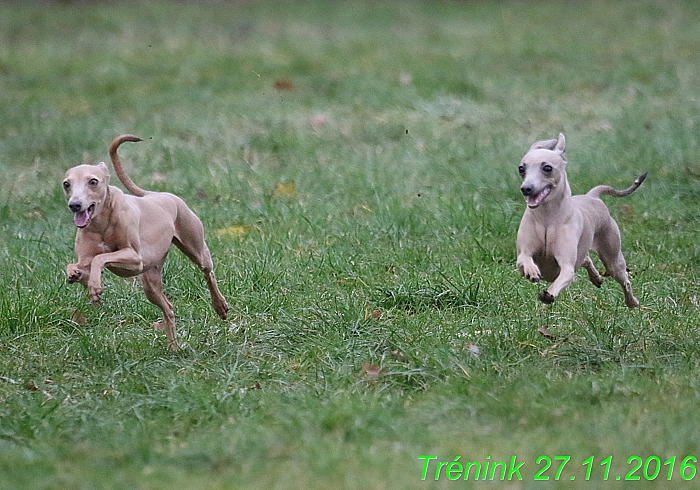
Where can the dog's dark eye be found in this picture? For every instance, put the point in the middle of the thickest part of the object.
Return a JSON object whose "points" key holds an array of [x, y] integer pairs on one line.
{"points": [[66, 185], [521, 169], [93, 182], [547, 169]]}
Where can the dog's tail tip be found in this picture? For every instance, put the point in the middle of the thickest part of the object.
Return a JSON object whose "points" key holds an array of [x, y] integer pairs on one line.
{"points": [[122, 139], [642, 177], [129, 137], [117, 142], [116, 162]]}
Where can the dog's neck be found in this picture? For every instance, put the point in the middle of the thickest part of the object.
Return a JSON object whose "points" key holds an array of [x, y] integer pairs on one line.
{"points": [[103, 218], [558, 207]]}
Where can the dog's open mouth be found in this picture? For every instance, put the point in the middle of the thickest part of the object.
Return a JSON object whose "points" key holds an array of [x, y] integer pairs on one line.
{"points": [[83, 218], [534, 201]]}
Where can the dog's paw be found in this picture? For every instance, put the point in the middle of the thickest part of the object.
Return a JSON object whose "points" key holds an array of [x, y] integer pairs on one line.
{"points": [[546, 297], [221, 309], [632, 302], [95, 294], [74, 275], [533, 278], [532, 274], [528, 269]]}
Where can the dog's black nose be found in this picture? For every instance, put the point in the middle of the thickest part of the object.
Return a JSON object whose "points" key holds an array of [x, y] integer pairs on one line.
{"points": [[75, 206], [526, 190]]}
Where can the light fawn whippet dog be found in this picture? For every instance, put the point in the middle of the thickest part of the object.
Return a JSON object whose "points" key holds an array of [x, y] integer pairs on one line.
{"points": [[130, 235], [558, 230]]}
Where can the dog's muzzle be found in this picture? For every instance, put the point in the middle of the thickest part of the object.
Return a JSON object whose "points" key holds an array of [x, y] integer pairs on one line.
{"points": [[81, 217], [526, 190], [534, 198]]}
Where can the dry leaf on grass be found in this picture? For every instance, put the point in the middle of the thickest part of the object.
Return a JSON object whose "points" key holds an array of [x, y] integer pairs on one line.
{"points": [[287, 188], [397, 355], [234, 231], [78, 318], [34, 214], [370, 372], [31, 386], [544, 331], [283, 85]]}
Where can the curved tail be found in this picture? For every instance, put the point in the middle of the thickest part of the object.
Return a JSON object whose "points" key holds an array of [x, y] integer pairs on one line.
{"points": [[128, 183], [610, 191]]}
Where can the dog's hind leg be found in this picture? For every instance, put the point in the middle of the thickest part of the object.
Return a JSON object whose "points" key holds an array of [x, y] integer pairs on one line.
{"points": [[217, 299], [152, 281], [617, 268], [202, 258], [190, 241], [593, 273], [608, 247]]}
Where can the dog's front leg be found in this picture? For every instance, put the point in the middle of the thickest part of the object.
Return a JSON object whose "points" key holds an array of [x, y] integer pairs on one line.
{"points": [[126, 259], [527, 244], [78, 273], [528, 268], [564, 279], [566, 259]]}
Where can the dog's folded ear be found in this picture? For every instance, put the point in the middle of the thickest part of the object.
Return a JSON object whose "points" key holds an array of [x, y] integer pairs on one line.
{"points": [[544, 145], [558, 145], [561, 146], [102, 166]]}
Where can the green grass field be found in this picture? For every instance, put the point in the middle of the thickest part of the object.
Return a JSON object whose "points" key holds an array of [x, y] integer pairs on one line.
{"points": [[355, 167]]}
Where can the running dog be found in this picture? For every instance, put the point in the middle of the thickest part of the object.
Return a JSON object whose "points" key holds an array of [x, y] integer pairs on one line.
{"points": [[131, 235], [558, 230]]}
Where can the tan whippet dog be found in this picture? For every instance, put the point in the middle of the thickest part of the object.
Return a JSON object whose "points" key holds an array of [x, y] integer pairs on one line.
{"points": [[130, 235], [558, 230]]}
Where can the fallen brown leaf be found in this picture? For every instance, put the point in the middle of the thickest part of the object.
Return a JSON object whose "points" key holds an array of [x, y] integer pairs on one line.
{"points": [[369, 371], [31, 386], [397, 355], [78, 318], [283, 85], [626, 210]]}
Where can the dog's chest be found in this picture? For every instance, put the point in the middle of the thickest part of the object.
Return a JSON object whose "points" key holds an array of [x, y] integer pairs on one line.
{"points": [[104, 248], [544, 256], [549, 268]]}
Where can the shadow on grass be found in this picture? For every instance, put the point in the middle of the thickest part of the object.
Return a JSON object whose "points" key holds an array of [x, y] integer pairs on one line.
{"points": [[441, 294]]}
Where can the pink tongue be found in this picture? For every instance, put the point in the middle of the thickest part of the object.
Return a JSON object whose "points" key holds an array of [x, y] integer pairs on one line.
{"points": [[535, 200], [81, 219]]}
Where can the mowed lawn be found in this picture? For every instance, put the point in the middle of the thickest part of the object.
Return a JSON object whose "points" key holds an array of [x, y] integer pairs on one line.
{"points": [[355, 167]]}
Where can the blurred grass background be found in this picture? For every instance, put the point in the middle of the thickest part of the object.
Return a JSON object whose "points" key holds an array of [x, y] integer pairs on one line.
{"points": [[355, 166]]}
